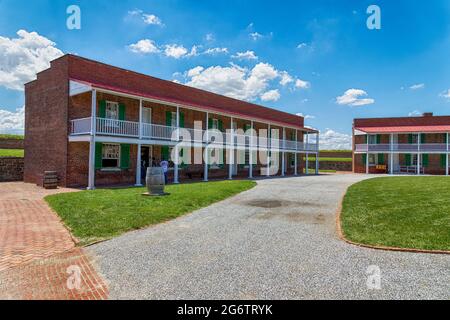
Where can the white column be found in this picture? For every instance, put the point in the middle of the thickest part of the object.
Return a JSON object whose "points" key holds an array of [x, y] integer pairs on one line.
{"points": [[296, 154], [231, 151], [269, 140], [250, 165], [367, 155], [206, 155], [307, 155], [283, 166], [418, 154], [446, 159], [138, 156], [91, 174], [391, 155], [177, 150], [318, 153]]}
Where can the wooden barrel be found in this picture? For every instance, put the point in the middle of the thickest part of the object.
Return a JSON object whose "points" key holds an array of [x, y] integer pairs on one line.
{"points": [[50, 180], [155, 181]]}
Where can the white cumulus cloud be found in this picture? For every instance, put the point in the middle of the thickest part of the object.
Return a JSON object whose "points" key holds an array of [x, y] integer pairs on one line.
{"points": [[247, 55], [354, 97], [144, 46], [271, 95], [332, 140], [301, 84], [12, 122], [235, 81], [306, 116], [147, 18], [445, 94], [417, 86], [175, 51], [213, 51], [415, 113], [22, 57]]}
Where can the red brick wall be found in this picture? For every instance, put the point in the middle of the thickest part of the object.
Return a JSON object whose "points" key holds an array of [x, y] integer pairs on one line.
{"points": [[46, 123]]}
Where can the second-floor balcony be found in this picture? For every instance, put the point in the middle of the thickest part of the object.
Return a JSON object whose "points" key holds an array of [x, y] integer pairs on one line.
{"points": [[146, 131], [402, 147]]}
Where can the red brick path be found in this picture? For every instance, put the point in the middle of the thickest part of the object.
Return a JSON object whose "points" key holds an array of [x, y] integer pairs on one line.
{"points": [[36, 250]]}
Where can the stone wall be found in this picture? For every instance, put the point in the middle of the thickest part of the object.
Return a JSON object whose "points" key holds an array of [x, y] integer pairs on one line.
{"points": [[11, 143], [11, 169]]}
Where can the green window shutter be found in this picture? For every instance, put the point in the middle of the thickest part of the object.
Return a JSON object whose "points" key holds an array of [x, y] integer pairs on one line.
{"points": [[378, 138], [364, 158], [445, 138], [98, 155], [425, 160], [443, 160], [407, 159], [102, 109], [423, 138], [220, 125], [125, 156], [366, 139], [168, 118], [121, 111], [381, 158], [410, 138], [210, 123], [181, 120], [165, 153]]}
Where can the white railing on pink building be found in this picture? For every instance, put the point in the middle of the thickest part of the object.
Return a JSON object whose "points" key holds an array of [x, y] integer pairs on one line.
{"points": [[402, 147]]}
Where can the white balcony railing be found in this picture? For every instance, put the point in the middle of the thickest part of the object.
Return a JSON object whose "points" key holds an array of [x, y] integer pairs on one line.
{"points": [[120, 128], [402, 147]]}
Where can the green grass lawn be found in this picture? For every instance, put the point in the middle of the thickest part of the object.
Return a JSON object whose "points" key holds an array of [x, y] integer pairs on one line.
{"points": [[12, 136], [105, 213], [11, 153], [407, 212]]}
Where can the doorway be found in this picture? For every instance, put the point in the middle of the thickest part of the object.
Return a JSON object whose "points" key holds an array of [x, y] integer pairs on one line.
{"points": [[146, 158]]}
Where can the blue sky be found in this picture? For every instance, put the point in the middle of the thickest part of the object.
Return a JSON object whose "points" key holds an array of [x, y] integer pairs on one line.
{"points": [[317, 58]]}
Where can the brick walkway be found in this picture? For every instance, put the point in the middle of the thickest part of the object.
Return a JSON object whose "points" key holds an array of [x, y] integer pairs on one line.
{"points": [[36, 250]]}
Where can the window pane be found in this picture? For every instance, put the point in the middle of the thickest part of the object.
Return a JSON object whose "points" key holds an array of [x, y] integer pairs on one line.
{"points": [[112, 110]]}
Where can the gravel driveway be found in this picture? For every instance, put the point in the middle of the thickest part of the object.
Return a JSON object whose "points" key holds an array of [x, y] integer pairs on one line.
{"points": [[276, 241]]}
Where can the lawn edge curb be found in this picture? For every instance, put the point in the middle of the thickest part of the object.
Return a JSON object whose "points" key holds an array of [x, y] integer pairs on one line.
{"points": [[375, 247]]}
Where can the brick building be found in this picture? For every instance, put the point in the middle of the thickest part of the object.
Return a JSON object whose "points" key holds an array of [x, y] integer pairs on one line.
{"points": [[414, 145], [96, 124]]}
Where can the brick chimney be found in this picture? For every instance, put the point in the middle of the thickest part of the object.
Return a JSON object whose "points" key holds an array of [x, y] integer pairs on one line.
{"points": [[427, 114]]}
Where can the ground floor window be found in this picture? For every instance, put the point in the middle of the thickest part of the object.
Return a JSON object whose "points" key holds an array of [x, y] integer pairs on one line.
{"points": [[373, 159], [110, 155]]}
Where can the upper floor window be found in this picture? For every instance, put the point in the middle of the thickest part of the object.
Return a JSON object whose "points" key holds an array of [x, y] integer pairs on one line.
{"points": [[215, 124], [112, 110], [373, 139], [174, 119]]}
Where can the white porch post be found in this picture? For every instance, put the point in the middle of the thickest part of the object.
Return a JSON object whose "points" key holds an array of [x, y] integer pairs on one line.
{"points": [[138, 157], [318, 152], [91, 174], [307, 154], [418, 154], [296, 153], [367, 154], [446, 158], [269, 143], [231, 151], [283, 166], [177, 150], [250, 165], [391, 155], [206, 155]]}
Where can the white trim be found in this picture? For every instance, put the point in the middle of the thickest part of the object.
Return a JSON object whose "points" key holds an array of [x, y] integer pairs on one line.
{"points": [[185, 106], [76, 88]]}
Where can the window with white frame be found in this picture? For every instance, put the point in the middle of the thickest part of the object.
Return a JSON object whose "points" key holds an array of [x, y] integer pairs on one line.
{"points": [[373, 139], [112, 110], [373, 159], [414, 159], [215, 124], [174, 119], [110, 155]]}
